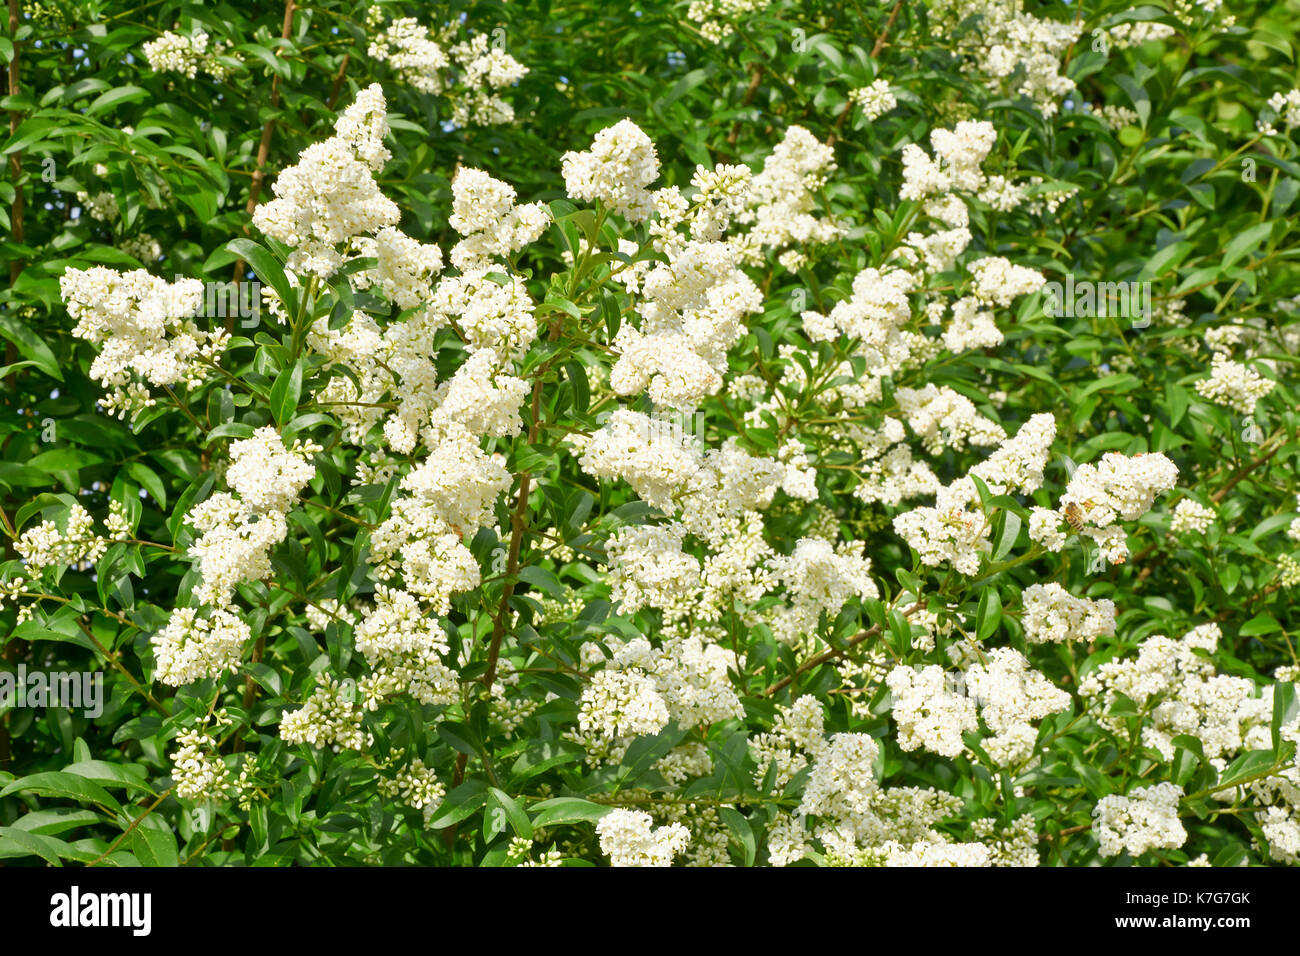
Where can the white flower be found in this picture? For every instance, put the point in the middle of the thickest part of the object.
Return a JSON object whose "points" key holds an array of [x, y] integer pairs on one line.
{"points": [[1052, 614], [628, 838], [1234, 385], [268, 476], [1145, 820], [197, 767], [1191, 515], [876, 100], [928, 712], [144, 330], [622, 703], [616, 170]]}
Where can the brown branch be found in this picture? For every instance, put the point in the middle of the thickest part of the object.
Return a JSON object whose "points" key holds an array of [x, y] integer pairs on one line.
{"points": [[755, 79], [15, 158], [832, 653], [13, 648], [875, 52], [263, 151], [1236, 479], [134, 823], [338, 82]]}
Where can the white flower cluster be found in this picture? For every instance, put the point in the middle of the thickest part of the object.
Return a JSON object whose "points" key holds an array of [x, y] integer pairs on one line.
{"points": [[955, 167], [1117, 117], [1234, 385], [717, 19], [1145, 820], [1117, 486], [483, 71], [1014, 50], [331, 717], [615, 171], [934, 708], [329, 198], [692, 305], [642, 688], [618, 703], [450, 497], [174, 53], [1176, 685], [950, 531], [648, 568], [484, 212], [1286, 106], [1127, 35], [779, 208], [876, 100], [1191, 516], [1053, 615], [654, 455], [1010, 694], [144, 330], [191, 647], [44, 545], [819, 578], [998, 282], [943, 418], [415, 785], [843, 807], [143, 247], [629, 838], [197, 767], [930, 709], [404, 648], [236, 535], [330, 208], [471, 73]]}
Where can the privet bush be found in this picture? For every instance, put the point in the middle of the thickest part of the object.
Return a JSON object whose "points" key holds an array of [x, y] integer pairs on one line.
{"points": [[709, 433]]}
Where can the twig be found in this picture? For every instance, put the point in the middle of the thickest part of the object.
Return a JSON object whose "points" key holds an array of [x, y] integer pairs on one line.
{"points": [[833, 652], [263, 150], [875, 52]]}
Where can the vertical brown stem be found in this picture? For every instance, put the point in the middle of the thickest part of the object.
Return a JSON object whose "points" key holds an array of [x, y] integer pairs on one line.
{"points": [[875, 52], [263, 150], [338, 82], [12, 647]]}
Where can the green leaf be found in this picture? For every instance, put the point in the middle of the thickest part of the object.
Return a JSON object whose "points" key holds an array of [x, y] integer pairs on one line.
{"points": [[130, 776], [741, 831], [1246, 767], [989, 615], [16, 842], [567, 810], [123, 94], [1245, 242], [30, 345], [501, 810], [268, 269], [464, 800], [149, 480], [154, 847], [581, 389], [1286, 708], [1262, 623], [286, 392], [1011, 524], [63, 785]]}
